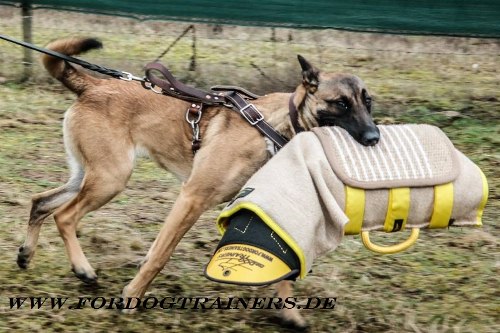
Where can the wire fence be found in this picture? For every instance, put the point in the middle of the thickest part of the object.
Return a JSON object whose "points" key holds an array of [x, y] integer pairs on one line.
{"points": [[264, 59]]}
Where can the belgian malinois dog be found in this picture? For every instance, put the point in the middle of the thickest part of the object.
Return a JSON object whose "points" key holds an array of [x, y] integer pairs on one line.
{"points": [[112, 120]]}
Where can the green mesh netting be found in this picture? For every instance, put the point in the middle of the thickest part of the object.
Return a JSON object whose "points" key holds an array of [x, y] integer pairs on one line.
{"points": [[436, 17]]}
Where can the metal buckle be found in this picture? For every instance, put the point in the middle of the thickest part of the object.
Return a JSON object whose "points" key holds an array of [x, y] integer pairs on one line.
{"points": [[252, 122]]}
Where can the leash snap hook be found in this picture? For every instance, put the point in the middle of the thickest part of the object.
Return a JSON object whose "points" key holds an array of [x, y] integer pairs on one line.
{"points": [[193, 117], [196, 133], [130, 77]]}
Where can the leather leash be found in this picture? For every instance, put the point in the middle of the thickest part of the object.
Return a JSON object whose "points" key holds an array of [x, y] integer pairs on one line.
{"points": [[228, 96], [96, 68]]}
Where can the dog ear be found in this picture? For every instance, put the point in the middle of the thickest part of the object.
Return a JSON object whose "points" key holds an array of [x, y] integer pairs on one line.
{"points": [[310, 75]]}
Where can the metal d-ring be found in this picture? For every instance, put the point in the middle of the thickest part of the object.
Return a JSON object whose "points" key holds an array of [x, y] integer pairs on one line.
{"points": [[150, 86]]}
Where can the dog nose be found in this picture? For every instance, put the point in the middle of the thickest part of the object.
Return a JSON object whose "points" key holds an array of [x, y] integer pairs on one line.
{"points": [[370, 138]]}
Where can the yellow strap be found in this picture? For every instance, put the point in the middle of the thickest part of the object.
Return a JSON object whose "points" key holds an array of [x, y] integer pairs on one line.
{"points": [[354, 209], [397, 209], [480, 209], [443, 206]]}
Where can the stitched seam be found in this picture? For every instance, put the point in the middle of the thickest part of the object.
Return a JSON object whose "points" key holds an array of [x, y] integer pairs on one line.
{"points": [[284, 251], [243, 231]]}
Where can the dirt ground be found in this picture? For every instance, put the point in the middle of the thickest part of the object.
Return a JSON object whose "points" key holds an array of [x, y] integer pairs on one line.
{"points": [[448, 282]]}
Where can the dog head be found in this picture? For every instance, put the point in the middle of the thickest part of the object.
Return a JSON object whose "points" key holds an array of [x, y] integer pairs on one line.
{"points": [[336, 100]]}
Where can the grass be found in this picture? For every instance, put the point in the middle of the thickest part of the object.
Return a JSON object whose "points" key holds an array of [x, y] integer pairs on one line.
{"points": [[448, 282]]}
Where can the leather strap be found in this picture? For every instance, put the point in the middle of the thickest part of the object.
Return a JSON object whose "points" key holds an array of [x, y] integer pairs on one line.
{"points": [[242, 91], [193, 117], [171, 86], [294, 115], [255, 118]]}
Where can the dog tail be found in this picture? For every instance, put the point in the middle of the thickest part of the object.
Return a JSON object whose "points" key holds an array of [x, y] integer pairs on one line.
{"points": [[73, 79]]}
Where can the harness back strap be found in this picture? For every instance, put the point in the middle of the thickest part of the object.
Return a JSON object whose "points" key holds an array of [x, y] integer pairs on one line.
{"points": [[255, 118], [242, 91], [171, 86]]}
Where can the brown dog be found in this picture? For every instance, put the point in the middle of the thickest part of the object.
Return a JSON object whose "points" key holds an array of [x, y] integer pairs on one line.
{"points": [[112, 120]]}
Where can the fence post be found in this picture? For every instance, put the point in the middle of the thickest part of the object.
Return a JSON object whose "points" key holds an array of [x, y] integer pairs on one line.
{"points": [[27, 13]]}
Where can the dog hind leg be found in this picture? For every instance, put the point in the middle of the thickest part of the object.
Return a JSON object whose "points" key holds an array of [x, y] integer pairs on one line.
{"points": [[43, 205], [97, 190]]}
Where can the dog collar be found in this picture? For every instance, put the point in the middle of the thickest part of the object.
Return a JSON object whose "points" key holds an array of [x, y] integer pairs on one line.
{"points": [[294, 115]]}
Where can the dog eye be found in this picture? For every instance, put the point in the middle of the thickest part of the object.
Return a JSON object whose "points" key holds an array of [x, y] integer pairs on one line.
{"points": [[342, 105], [368, 101]]}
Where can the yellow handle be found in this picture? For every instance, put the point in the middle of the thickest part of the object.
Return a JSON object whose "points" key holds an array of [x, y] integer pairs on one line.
{"points": [[365, 237]]}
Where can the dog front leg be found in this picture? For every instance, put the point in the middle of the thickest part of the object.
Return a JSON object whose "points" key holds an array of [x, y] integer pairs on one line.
{"points": [[186, 210], [290, 317]]}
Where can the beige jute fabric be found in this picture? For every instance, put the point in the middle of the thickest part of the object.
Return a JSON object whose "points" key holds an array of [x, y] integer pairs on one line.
{"points": [[406, 155], [301, 193]]}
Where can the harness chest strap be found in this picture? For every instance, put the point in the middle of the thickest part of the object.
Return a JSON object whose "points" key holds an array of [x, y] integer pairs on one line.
{"points": [[255, 118]]}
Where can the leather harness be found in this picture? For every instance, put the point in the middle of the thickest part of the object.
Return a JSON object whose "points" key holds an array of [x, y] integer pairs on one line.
{"points": [[235, 98]]}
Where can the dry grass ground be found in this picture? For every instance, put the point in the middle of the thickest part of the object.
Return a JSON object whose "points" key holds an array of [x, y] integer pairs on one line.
{"points": [[448, 282]]}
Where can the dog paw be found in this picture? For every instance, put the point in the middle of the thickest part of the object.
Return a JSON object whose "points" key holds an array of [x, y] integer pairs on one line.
{"points": [[120, 306], [23, 257], [295, 326], [128, 311], [89, 278], [292, 320]]}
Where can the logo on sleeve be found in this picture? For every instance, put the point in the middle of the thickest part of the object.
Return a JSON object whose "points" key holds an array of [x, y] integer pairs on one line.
{"points": [[243, 193]]}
